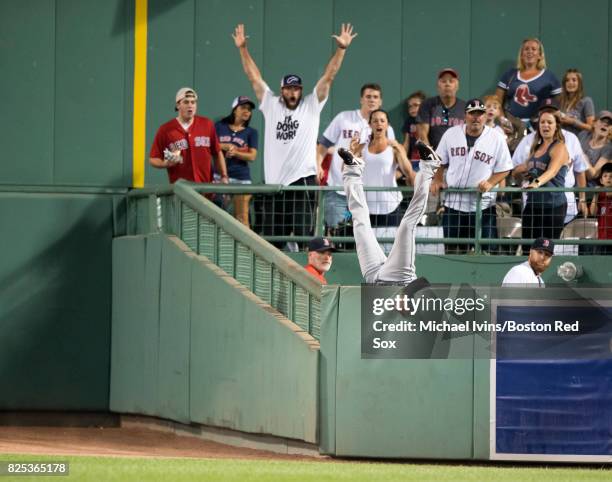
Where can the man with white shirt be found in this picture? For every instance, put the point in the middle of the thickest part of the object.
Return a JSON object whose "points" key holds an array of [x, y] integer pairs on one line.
{"points": [[473, 156], [530, 272], [576, 175], [339, 134], [291, 129]]}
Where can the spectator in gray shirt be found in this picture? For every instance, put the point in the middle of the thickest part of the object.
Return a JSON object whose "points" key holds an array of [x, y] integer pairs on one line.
{"points": [[439, 113], [577, 111]]}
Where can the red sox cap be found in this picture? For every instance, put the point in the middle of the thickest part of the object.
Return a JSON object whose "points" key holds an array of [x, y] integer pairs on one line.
{"points": [[549, 104], [544, 244], [475, 105], [321, 244]]}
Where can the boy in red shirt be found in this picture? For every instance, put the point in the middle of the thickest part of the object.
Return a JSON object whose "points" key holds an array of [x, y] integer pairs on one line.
{"points": [[601, 206]]}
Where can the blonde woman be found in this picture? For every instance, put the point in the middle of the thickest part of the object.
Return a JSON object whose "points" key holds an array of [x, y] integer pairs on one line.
{"points": [[522, 89]]}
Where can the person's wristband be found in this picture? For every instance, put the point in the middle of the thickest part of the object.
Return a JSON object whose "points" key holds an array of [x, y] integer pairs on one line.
{"points": [[341, 47], [537, 181]]}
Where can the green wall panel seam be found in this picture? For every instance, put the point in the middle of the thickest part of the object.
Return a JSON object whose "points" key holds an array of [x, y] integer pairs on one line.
{"points": [[53, 129]]}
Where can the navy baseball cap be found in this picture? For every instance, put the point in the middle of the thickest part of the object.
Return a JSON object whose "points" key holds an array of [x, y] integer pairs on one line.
{"points": [[475, 105], [291, 80], [544, 244], [242, 100], [321, 244], [549, 104]]}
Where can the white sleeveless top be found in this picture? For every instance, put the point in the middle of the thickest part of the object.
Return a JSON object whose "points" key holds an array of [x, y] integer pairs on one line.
{"points": [[380, 171]]}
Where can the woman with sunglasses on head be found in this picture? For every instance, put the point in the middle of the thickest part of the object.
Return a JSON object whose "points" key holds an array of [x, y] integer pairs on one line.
{"points": [[547, 165], [522, 89], [577, 111], [596, 145], [239, 145]]}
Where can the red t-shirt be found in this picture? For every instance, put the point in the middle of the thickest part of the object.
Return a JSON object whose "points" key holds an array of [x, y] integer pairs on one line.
{"points": [[313, 271], [604, 216], [197, 145]]}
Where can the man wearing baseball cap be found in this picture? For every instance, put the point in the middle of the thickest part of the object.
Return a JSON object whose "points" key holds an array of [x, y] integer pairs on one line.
{"points": [[291, 129], [187, 144], [530, 272], [438, 114], [473, 156], [319, 258]]}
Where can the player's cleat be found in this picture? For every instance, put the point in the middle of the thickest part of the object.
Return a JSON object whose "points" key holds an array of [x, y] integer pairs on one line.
{"points": [[426, 152], [428, 155], [353, 165], [347, 156]]}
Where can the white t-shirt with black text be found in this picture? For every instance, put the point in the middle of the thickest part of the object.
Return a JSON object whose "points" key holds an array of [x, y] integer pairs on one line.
{"points": [[290, 139]]}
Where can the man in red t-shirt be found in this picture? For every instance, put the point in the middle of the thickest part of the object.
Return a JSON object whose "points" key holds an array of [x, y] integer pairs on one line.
{"points": [[319, 258], [186, 144]]}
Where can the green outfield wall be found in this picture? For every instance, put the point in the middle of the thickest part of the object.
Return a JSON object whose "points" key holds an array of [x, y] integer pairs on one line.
{"points": [[68, 96], [397, 408], [55, 298], [483, 270], [190, 344]]}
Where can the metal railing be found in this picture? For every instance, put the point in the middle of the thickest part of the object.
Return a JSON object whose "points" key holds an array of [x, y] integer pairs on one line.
{"points": [[208, 230], [267, 200]]}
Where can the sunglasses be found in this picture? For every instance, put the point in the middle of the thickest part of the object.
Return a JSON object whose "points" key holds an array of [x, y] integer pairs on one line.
{"points": [[445, 115]]}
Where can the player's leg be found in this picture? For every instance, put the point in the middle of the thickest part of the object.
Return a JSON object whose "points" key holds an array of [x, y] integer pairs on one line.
{"points": [[369, 252], [399, 267]]}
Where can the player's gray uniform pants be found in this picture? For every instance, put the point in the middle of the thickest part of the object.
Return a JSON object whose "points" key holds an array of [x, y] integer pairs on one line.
{"points": [[375, 266]]}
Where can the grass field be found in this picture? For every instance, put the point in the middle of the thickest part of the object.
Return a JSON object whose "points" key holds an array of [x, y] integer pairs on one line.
{"points": [[100, 469]]}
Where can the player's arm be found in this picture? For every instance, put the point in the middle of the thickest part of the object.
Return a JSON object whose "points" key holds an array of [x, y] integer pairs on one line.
{"points": [[333, 66], [248, 64]]}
